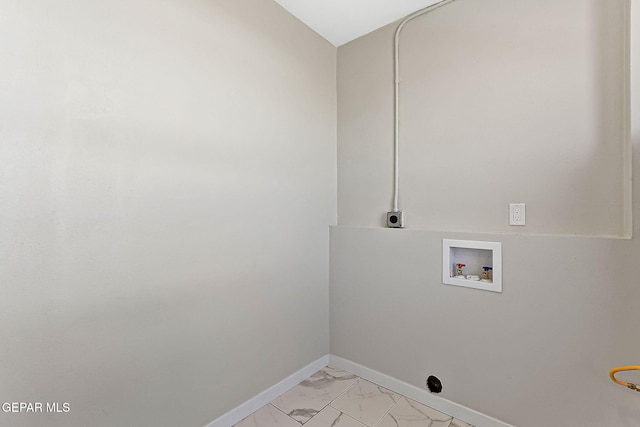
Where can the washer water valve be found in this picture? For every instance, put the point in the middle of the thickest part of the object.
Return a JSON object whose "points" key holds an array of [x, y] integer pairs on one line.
{"points": [[486, 274], [459, 274]]}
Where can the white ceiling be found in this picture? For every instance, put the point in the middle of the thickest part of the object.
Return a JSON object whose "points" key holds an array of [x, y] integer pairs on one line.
{"points": [[340, 21]]}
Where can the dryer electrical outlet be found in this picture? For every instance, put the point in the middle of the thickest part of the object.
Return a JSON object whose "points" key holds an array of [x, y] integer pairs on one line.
{"points": [[395, 219]]}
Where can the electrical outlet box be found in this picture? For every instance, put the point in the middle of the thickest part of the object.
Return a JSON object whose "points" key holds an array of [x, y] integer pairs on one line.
{"points": [[395, 219], [517, 214], [481, 264]]}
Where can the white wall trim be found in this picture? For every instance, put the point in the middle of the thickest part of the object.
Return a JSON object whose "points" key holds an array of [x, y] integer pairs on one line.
{"points": [[443, 405], [455, 410], [257, 402]]}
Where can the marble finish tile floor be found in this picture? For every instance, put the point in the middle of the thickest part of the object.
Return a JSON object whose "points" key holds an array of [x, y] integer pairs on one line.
{"points": [[335, 398]]}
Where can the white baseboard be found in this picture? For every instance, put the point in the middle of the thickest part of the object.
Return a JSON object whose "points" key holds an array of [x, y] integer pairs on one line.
{"points": [[443, 405], [257, 402]]}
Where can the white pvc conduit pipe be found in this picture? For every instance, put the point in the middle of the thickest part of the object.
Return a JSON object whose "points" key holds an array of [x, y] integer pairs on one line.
{"points": [[396, 144]]}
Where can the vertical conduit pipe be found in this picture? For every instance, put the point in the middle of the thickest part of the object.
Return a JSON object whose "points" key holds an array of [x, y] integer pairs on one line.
{"points": [[396, 144]]}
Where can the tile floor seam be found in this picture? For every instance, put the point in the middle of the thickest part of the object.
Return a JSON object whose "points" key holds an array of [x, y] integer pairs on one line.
{"points": [[331, 375], [318, 413], [422, 404], [344, 392], [280, 410], [362, 382], [385, 414], [355, 381], [338, 396], [347, 415]]}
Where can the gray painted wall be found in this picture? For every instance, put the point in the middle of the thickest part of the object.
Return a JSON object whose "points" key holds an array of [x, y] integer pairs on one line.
{"points": [[500, 102], [148, 151], [540, 352]]}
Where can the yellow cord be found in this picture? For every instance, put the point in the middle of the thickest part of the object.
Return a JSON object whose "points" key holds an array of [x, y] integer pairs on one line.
{"points": [[632, 386]]}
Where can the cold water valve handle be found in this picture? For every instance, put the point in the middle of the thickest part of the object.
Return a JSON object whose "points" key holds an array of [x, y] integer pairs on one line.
{"points": [[485, 274], [631, 386]]}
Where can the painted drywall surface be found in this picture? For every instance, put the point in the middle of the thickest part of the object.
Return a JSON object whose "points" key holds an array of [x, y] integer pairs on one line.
{"points": [[497, 99], [167, 180], [537, 354]]}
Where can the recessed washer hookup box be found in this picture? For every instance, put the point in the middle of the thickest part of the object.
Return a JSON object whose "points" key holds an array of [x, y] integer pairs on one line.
{"points": [[472, 264]]}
